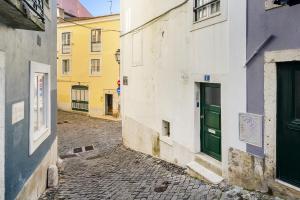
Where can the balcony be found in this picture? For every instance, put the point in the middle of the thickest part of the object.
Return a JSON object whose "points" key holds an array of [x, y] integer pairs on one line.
{"points": [[23, 14]]}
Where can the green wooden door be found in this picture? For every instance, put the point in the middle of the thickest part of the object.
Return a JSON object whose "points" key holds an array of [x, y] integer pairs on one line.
{"points": [[288, 123], [211, 120]]}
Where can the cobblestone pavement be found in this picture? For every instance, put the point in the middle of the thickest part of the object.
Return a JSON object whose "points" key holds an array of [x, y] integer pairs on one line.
{"points": [[112, 171]]}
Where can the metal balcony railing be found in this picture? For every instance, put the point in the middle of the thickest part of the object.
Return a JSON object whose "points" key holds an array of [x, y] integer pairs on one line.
{"points": [[37, 7]]}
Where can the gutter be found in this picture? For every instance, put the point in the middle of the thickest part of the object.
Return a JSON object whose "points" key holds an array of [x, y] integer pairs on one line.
{"points": [[257, 50]]}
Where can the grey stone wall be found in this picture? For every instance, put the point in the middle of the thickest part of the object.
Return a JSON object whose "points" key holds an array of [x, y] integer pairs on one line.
{"points": [[20, 47]]}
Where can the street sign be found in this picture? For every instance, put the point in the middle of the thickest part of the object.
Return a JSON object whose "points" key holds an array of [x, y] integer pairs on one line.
{"points": [[207, 77]]}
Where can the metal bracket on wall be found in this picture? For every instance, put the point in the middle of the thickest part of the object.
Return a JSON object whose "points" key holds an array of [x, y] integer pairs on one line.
{"points": [[263, 44]]}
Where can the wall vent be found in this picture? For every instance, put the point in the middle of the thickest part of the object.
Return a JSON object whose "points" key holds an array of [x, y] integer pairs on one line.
{"points": [[166, 128]]}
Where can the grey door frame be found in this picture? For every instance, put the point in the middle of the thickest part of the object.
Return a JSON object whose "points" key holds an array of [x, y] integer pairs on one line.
{"points": [[271, 59], [2, 125]]}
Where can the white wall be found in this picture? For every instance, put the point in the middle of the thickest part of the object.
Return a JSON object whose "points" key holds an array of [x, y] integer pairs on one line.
{"points": [[142, 11], [2, 125], [176, 55]]}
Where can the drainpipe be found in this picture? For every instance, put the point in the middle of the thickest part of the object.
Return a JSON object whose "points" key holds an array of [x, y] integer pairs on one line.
{"points": [[257, 50]]}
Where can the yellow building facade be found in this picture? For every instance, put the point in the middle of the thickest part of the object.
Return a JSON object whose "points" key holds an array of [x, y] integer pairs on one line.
{"points": [[87, 70]]}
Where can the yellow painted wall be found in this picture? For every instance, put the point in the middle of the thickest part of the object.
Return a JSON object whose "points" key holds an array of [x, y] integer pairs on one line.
{"points": [[80, 59]]}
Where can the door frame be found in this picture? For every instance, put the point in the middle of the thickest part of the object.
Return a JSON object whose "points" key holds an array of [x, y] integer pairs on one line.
{"points": [[106, 104], [2, 125], [202, 97], [270, 110]]}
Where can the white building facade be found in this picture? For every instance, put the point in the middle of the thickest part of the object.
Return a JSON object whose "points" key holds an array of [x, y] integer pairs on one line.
{"points": [[184, 81]]}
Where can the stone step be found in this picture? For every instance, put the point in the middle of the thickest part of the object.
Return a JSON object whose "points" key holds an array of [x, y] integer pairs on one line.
{"points": [[198, 171], [209, 163]]}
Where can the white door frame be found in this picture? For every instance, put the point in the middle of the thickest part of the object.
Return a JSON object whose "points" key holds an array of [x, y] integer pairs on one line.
{"points": [[2, 125]]}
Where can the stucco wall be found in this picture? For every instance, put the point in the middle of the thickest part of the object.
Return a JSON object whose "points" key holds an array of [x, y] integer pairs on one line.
{"points": [[21, 47], [80, 62], [175, 57], [283, 23]]}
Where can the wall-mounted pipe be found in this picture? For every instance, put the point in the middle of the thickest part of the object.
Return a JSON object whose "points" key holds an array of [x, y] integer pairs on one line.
{"points": [[263, 44]]}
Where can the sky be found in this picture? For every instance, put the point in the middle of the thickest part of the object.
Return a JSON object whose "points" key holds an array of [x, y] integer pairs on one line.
{"points": [[101, 7]]}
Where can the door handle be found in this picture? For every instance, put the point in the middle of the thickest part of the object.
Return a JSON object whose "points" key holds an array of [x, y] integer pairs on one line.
{"points": [[211, 131], [202, 117]]}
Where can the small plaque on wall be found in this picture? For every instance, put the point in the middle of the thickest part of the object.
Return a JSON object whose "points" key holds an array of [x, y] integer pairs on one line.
{"points": [[251, 128], [125, 80]]}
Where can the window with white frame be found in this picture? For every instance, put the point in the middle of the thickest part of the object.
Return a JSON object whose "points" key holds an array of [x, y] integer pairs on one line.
{"points": [[66, 67], [95, 67], [204, 9], [40, 126], [66, 42], [96, 40]]}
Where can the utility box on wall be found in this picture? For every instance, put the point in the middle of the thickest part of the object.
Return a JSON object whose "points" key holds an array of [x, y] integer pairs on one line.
{"points": [[251, 129]]}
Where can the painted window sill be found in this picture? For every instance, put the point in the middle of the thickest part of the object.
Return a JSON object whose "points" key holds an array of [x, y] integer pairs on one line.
{"points": [[95, 52], [39, 140], [212, 20], [39, 134], [207, 18], [65, 54]]}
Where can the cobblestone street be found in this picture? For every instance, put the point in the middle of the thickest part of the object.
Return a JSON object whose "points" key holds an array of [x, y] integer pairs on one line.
{"points": [[111, 171]]}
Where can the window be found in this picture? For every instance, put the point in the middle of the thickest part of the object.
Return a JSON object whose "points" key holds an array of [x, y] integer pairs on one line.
{"points": [[213, 96], [66, 43], [95, 67], [206, 8], [39, 104], [96, 40], [66, 67], [80, 98]]}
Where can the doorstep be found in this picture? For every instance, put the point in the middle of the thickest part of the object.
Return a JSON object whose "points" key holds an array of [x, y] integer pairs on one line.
{"points": [[205, 168], [209, 163]]}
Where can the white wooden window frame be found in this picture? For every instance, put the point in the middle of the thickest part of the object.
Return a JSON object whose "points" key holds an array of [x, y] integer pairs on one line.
{"points": [[68, 44], [62, 67], [207, 6], [90, 70], [37, 138], [92, 43], [208, 21]]}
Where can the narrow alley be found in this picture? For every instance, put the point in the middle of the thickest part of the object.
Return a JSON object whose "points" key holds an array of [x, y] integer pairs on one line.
{"points": [[111, 171]]}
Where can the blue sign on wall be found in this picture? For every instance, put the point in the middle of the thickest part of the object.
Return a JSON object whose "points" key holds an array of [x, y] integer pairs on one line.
{"points": [[206, 77]]}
